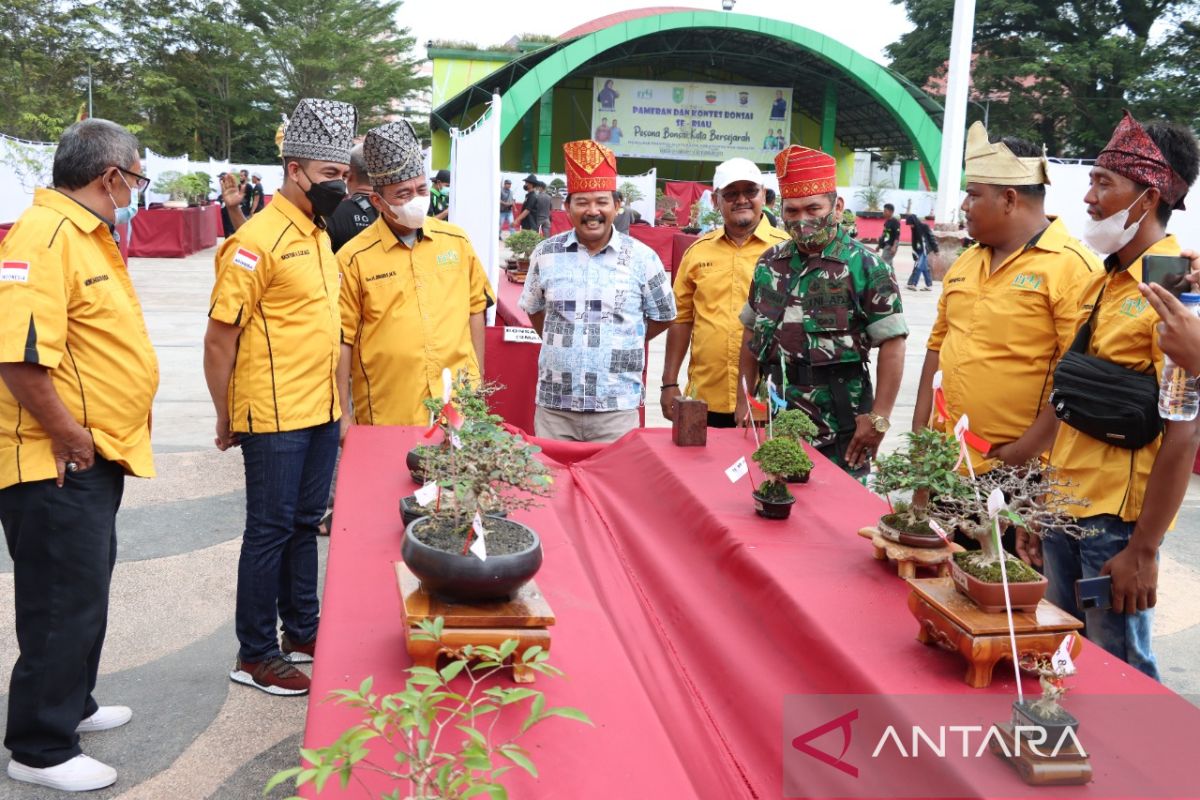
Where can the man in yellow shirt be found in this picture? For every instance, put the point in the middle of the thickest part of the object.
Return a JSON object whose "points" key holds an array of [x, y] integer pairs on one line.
{"points": [[270, 359], [1009, 308], [1133, 495], [413, 293], [79, 377], [711, 287]]}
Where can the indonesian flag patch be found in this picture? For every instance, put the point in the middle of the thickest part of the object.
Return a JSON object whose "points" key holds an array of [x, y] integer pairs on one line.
{"points": [[14, 271], [245, 259]]}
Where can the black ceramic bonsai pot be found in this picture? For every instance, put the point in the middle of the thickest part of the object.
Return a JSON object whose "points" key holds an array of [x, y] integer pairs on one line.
{"points": [[801, 478], [465, 578], [772, 509], [413, 462], [1025, 715]]}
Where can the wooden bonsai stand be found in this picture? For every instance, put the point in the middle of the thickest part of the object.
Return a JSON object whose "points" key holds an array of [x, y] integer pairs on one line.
{"points": [[526, 618], [906, 558], [1068, 768], [953, 622]]}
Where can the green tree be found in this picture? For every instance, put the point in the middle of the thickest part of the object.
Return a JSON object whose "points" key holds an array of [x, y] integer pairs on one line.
{"points": [[349, 50], [45, 49], [1060, 72]]}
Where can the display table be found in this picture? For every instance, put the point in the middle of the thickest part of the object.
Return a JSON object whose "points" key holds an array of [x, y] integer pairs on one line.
{"points": [[685, 623], [173, 232]]}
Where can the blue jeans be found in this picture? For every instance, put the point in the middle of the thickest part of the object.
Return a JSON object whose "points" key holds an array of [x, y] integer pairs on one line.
{"points": [[287, 485], [1126, 636], [921, 268]]}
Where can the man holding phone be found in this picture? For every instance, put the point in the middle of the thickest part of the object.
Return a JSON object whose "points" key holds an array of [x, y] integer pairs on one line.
{"points": [[1133, 495]]}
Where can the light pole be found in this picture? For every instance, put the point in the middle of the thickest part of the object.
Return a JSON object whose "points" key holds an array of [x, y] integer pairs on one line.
{"points": [[89, 91], [955, 118]]}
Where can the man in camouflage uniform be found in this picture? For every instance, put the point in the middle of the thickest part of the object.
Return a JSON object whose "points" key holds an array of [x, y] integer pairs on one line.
{"points": [[817, 305]]}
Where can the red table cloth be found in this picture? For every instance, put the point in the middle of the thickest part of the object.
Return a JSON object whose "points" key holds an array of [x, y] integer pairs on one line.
{"points": [[870, 229], [172, 232], [685, 623]]}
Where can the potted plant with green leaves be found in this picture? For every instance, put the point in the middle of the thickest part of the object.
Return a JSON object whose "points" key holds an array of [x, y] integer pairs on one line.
{"points": [[779, 458], [470, 399], [872, 196], [435, 737], [794, 424], [927, 466], [462, 550], [521, 244], [175, 185], [1033, 499]]}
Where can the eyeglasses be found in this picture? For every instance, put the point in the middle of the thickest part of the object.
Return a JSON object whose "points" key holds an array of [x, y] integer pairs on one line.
{"points": [[142, 180], [732, 195]]}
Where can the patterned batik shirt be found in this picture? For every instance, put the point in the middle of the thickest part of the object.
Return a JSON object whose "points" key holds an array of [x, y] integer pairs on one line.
{"points": [[594, 332], [821, 311]]}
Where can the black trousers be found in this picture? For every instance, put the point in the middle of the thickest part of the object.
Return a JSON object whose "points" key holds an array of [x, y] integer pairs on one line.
{"points": [[63, 544]]}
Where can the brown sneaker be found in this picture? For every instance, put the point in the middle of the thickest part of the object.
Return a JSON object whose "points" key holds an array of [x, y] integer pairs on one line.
{"points": [[273, 676], [294, 653]]}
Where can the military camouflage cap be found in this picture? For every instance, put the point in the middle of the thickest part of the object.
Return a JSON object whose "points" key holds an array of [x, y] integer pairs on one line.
{"points": [[393, 154], [322, 130]]}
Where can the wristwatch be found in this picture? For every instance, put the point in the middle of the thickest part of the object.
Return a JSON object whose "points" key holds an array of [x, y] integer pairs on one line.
{"points": [[879, 423]]}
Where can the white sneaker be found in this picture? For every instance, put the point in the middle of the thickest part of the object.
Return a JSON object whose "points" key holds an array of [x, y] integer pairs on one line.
{"points": [[105, 718], [80, 774]]}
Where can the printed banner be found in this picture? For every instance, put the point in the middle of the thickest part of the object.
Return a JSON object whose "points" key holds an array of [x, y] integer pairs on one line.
{"points": [[691, 121]]}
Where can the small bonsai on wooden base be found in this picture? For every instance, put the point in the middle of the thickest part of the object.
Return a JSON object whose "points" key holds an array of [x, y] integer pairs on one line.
{"points": [[925, 467]]}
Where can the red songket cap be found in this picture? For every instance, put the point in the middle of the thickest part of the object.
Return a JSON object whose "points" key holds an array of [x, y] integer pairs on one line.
{"points": [[591, 167], [1132, 153], [804, 172]]}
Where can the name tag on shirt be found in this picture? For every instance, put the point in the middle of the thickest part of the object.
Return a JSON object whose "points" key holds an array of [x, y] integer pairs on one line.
{"points": [[14, 271]]}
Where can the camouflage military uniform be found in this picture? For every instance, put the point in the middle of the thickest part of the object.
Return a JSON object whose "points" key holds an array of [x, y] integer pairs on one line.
{"points": [[822, 314]]}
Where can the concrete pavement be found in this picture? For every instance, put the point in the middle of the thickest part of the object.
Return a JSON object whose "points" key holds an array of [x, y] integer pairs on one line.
{"points": [[171, 643]]}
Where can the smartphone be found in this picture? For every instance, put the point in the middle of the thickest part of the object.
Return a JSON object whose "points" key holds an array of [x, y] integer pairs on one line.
{"points": [[1169, 272], [1093, 592]]}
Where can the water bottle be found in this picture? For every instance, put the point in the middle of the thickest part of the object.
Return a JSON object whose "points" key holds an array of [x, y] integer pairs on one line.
{"points": [[1178, 400]]}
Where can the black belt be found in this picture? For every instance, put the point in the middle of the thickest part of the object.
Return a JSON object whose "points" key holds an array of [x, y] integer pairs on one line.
{"points": [[836, 377]]}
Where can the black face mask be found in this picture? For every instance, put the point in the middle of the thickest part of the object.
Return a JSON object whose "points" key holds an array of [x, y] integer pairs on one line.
{"points": [[325, 196]]}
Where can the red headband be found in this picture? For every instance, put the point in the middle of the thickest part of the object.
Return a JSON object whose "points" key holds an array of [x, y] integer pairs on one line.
{"points": [[1132, 153]]}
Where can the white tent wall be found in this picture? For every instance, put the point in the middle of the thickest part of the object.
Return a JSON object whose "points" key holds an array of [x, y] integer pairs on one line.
{"points": [[155, 166], [475, 190], [24, 166]]}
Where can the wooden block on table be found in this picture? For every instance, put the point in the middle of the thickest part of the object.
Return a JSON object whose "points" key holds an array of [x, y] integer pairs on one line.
{"points": [[528, 609], [690, 426]]}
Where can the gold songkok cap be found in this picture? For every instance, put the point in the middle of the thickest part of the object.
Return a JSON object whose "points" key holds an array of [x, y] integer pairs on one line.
{"points": [[995, 164]]}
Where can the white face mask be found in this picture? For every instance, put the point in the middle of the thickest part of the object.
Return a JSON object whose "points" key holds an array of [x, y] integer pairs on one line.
{"points": [[412, 214], [1107, 236]]}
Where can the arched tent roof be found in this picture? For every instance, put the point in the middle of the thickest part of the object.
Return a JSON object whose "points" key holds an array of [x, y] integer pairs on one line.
{"points": [[876, 108]]}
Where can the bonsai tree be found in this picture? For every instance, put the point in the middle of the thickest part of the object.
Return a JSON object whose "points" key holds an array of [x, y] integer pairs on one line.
{"points": [[1034, 497], [872, 195], [630, 192], [485, 467], [780, 458], [172, 184], [196, 187], [440, 740], [1054, 688], [522, 243], [925, 466], [793, 424]]}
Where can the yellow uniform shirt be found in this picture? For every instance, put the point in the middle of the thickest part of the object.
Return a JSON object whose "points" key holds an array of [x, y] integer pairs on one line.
{"points": [[277, 280], [1000, 334], [405, 313], [711, 287], [1113, 478], [69, 306]]}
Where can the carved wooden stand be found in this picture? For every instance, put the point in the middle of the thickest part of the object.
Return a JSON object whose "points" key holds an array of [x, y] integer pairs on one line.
{"points": [[906, 558], [954, 623], [1068, 767], [526, 618]]}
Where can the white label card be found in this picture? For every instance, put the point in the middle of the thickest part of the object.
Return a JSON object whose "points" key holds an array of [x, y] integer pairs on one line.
{"points": [[524, 335], [961, 427], [426, 494], [937, 379], [1063, 664], [995, 502], [933, 526], [479, 548], [738, 471], [477, 526], [455, 441]]}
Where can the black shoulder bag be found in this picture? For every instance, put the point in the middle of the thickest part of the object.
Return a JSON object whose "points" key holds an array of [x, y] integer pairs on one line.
{"points": [[1113, 404]]}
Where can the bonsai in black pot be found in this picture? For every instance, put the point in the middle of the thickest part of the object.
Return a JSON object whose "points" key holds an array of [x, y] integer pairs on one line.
{"points": [[488, 470], [472, 404], [794, 424], [1045, 712], [779, 458]]}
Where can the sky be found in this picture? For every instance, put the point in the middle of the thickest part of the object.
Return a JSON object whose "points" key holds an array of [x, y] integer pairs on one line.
{"points": [[865, 25]]}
